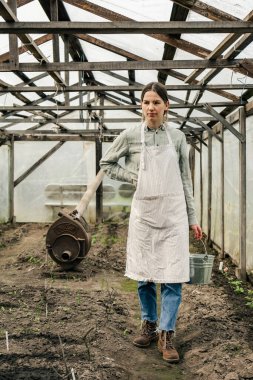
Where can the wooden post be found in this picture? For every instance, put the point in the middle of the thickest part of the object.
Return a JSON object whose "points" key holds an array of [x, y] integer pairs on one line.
{"points": [[99, 192], [209, 201], [242, 186], [55, 17], [222, 253], [66, 56], [192, 166], [11, 181], [87, 113], [201, 185], [80, 82], [13, 41]]}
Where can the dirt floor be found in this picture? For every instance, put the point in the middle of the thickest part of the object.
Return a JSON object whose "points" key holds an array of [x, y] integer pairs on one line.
{"points": [[80, 324]]}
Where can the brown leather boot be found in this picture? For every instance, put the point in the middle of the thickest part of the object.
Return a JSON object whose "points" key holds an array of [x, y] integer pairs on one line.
{"points": [[148, 334], [166, 347]]}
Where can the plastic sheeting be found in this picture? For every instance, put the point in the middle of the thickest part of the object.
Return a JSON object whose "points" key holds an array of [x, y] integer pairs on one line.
{"points": [[231, 192]]}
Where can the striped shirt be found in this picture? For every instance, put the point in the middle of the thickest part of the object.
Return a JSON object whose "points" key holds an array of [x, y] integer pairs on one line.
{"points": [[128, 145]]}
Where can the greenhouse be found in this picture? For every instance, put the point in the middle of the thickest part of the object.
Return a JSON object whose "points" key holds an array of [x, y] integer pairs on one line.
{"points": [[72, 74]]}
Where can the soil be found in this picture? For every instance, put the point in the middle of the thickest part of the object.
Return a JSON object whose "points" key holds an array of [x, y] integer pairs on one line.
{"points": [[80, 324]]}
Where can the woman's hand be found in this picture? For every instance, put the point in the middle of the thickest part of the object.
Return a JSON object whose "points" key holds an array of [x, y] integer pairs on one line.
{"points": [[197, 231]]}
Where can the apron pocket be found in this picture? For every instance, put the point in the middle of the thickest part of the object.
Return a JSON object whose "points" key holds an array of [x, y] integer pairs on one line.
{"points": [[155, 212]]}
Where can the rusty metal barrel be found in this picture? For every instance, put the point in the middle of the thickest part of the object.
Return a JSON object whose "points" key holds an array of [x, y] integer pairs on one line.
{"points": [[68, 239]]}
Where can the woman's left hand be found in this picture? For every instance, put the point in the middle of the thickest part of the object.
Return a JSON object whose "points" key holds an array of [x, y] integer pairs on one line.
{"points": [[197, 231]]}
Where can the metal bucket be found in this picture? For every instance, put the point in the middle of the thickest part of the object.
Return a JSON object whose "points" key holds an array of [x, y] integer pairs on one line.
{"points": [[201, 266]]}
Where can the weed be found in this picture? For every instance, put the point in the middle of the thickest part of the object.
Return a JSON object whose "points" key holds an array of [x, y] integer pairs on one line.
{"points": [[238, 288], [249, 299], [128, 285], [34, 260], [78, 299]]}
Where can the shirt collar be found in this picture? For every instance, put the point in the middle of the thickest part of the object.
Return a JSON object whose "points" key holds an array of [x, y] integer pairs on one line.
{"points": [[161, 128]]}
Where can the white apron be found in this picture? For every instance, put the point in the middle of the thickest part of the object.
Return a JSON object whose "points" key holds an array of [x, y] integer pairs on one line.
{"points": [[158, 235]]}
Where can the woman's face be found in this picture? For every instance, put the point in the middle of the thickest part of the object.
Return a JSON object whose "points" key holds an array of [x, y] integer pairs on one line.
{"points": [[153, 109]]}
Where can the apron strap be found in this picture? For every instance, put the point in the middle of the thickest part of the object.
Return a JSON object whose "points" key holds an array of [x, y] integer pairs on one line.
{"points": [[143, 146]]}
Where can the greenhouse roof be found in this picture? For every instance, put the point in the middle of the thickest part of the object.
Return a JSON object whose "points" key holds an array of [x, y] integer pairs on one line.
{"points": [[67, 63]]}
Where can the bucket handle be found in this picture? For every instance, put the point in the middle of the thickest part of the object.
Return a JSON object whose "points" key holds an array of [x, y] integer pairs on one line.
{"points": [[205, 258]]}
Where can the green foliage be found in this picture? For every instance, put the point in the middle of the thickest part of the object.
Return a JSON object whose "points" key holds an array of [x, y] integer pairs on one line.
{"points": [[34, 260], [249, 299], [128, 285], [238, 288]]}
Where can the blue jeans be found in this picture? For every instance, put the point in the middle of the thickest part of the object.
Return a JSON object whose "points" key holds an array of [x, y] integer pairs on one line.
{"points": [[170, 301]]}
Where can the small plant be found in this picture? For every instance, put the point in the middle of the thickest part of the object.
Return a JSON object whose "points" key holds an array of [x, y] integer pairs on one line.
{"points": [[34, 260], [237, 286], [249, 299], [78, 299]]}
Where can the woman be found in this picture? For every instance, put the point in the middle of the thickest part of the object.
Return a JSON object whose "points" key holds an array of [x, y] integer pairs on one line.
{"points": [[156, 162]]}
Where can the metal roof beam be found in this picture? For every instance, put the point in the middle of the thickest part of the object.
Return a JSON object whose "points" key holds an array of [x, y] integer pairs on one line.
{"points": [[123, 65], [121, 27], [120, 107], [36, 119], [76, 88]]}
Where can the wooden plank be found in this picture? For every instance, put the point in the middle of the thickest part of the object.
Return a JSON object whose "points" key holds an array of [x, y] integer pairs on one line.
{"points": [[66, 58], [20, 3], [125, 27], [100, 88], [11, 18], [242, 189], [54, 17], [13, 41], [206, 10], [192, 143], [34, 119], [113, 16], [178, 13], [61, 137], [107, 107], [224, 122], [11, 180], [248, 65], [124, 65], [207, 128], [37, 163], [216, 53], [222, 198], [76, 51], [235, 50]]}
